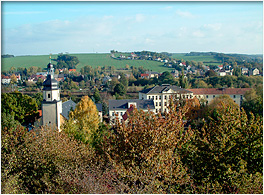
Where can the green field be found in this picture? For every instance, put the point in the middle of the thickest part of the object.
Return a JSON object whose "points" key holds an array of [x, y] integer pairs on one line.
{"points": [[207, 60], [96, 60], [93, 60]]}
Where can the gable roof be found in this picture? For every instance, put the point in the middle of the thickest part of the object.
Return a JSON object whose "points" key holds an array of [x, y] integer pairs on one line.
{"points": [[164, 87], [67, 107], [123, 104], [228, 91], [70, 106]]}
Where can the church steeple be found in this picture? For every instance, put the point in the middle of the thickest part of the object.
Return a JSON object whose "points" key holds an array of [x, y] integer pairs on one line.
{"points": [[51, 105]]}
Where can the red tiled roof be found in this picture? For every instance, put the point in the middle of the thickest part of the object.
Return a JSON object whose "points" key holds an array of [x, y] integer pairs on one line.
{"points": [[74, 70], [229, 91], [144, 75], [40, 112]]}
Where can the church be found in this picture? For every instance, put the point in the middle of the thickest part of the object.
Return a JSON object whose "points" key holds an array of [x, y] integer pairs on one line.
{"points": [[54, 112]]}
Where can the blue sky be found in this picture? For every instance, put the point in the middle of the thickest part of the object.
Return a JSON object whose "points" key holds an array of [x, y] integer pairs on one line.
{"points": [[33, 28]]}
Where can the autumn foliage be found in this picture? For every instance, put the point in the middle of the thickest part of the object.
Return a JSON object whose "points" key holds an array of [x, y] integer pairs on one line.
{"points": [[191, 149]]}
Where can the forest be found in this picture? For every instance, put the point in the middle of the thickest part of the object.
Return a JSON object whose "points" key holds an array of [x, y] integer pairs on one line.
{"points": [[194, 148]]}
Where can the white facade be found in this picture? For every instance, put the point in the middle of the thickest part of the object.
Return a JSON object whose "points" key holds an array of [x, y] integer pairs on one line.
{"points": [[162, 99]]}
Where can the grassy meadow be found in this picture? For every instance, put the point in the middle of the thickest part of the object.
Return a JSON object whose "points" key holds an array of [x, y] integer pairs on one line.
{"points": [[98, 59], [93, 60]]}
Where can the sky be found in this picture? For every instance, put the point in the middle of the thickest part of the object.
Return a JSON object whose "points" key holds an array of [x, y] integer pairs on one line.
{"points": [[41, 28]]}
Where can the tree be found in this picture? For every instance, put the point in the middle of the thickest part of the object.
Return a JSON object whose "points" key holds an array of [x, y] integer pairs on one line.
{"points": [[145, 150], [83, 121], [13, 78], [22, 107], [96, 95], [166, 78], [120, 89], [210, 73], [228, 147], [123, 80]]}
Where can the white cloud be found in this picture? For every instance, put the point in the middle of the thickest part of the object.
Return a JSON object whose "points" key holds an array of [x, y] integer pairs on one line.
{"points": [[140, 18], [198, 34], [185, 14], [214, 27]]}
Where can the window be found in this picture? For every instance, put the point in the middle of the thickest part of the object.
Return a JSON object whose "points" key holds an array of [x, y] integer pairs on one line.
{"points": [[149, 97], [113, 114], [165, 110], [165, 103], [156, 103], [160, 104], [156, 97], [117, 113], [234, 96], [206, 96], [156, 110], [165, 97], [213, 96], [48, 95], [121, 113], [153, 97], [160, 97]]}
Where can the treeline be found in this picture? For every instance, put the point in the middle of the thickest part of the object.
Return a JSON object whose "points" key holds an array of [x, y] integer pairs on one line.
{"points": [[192, 149], [66, 61], [7, 56]]}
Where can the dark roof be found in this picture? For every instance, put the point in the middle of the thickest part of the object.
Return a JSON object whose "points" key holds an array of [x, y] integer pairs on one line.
{"points": [[228, 91], [70, 106], [50, 84], [67, 107], [99, 107], [164, 87], [123, 104]]}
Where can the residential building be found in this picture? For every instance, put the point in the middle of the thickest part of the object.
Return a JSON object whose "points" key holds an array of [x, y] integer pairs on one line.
{"points": [[5, 79], [254, 71], [162, 94], [244, 71], [118, 108], [208, 94]]}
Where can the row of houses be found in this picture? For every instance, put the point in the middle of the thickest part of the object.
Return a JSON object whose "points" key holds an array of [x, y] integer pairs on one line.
{"points": [[156, 99]]}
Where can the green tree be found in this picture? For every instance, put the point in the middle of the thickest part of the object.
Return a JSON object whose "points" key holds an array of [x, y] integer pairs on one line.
{"points": [[120, 89], [22, 107], [96, 95], [228, 147]]}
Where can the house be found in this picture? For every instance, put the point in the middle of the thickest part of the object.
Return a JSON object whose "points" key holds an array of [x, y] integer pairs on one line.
{"points": [[59, 77], [244, 71], [144, 76], [42, 73], [5, 80], [220, 67], [162, 94], [221, 73], [254, 71], [118, 108], [106, 79], [208, 94], [152, 74], [175, 73], [72, 70]]}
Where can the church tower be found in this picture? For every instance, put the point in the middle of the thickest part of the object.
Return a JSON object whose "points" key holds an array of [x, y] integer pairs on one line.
{"points": [[51, 104]]}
